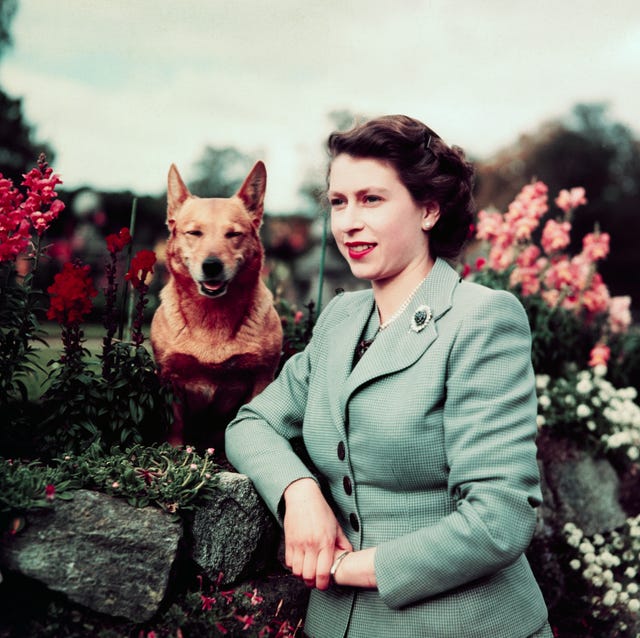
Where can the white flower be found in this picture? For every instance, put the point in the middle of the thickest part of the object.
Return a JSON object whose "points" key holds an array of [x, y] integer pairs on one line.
{"points": [[634, 605], [586, 547], [600, 370], [540, 420], [542, 381], [584, 386], [583, 411], [609, 599], [591, 426], [544, 401], [569, 399], [633, 453], [598, 539], [632, 588], [575, 564]]}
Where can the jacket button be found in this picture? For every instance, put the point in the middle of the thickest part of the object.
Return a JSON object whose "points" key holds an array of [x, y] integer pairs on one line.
{"points": [[353, 519], [341, 451], [346, 483]]}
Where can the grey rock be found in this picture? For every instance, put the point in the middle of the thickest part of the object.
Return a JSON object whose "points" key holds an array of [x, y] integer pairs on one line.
{"points": [[582, 489], [100, 552], [233, 533]]}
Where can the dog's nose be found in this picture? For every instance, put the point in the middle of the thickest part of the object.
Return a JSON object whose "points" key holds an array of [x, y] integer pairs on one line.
{"points": [[212, 267]]}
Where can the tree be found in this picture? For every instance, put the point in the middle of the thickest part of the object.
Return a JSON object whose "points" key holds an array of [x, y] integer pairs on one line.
{"points": [[220, 172], [18, 150]]}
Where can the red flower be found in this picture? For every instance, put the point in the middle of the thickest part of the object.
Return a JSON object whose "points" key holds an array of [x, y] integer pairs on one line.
{"points": [[116, 242], [207, 602], [141, 266], [50, 492], [71, 294], [246, 620]]}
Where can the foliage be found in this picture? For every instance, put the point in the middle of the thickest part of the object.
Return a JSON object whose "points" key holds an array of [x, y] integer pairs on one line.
{"points": [[585, 406], [605, 570], [174, 479], [297, 327], [201, 609], [122, 402]]}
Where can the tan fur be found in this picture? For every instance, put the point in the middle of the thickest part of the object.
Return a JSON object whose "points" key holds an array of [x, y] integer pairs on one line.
{"points": [[216, 335]]}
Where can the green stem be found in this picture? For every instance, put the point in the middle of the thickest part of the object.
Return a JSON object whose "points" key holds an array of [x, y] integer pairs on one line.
{"points": [[125, 292], [323, 252]]}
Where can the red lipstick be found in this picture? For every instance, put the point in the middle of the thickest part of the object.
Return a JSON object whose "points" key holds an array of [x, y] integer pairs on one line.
{"points": [[358, 250]]}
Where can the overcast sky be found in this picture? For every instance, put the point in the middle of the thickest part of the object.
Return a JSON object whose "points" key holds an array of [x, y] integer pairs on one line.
{"points": [[123, 88]]}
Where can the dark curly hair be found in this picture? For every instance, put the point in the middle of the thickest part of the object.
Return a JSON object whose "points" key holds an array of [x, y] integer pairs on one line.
{"points": [[429, 169]]}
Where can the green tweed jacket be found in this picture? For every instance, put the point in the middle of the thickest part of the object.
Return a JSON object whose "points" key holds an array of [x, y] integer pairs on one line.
{"points": [[427, 451]]}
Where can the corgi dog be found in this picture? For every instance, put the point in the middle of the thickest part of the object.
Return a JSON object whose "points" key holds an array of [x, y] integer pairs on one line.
{"points": [[216, 335]]}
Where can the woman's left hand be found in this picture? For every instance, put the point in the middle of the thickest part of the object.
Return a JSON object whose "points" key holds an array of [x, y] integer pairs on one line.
{"points": [[356, 569]]}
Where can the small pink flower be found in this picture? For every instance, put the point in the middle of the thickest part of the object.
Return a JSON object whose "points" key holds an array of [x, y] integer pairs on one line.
{"points": [[595, 246], [619, 314], [50, 492], [466, 269], [193, 466], [254, 597], [210, 451], [599, 355], [297, 318], [188, 449], [568, 200], [207, 602], [555, 236], [221, 628], [246, 620], [115, 485], [481, 262]]}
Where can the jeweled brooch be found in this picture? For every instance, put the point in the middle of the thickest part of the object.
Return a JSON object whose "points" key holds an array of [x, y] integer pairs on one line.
{"points": [[421, 317]]}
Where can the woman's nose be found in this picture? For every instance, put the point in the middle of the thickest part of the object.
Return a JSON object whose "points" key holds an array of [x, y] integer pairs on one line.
{"points": [[349, 218]]}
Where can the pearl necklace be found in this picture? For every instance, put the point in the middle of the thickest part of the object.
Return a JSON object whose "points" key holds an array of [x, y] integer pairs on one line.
{"points": [[402, 308]]}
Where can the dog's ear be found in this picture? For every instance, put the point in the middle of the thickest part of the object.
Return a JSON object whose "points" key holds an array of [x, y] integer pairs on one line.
{"points": [[252, 192], [177, 193]]}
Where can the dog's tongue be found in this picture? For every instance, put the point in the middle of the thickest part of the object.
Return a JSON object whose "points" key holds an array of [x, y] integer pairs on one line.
{"points": [[212, 286]]}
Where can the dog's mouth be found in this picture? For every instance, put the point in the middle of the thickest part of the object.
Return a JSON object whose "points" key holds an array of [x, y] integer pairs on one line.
{"points": [[213, 288]]}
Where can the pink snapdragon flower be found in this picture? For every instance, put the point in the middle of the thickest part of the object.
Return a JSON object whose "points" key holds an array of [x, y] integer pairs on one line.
{"points": [[555, 236], [599, 355], [619, 314], [595, 246], [567, 200]]}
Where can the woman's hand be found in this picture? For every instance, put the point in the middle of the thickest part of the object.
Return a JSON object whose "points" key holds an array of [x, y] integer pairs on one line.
{"points": [[312, 534], [356, 569]]}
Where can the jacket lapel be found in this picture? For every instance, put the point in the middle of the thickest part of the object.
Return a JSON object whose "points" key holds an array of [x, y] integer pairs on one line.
{"points": [[397, 347]]}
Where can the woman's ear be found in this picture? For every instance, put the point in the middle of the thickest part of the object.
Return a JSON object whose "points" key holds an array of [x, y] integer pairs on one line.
{"points": [[431, 214]]}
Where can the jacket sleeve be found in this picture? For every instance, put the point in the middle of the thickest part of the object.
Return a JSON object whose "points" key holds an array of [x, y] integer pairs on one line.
{"points": [[258, 440], [489, 422]]}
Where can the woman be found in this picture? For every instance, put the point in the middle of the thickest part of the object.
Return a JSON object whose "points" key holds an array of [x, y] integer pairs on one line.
{"points": [[416, 405]]}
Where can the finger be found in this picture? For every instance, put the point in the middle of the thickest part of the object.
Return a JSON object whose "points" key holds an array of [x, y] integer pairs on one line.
{"points": [[309, 568], [323, 565], [342, 542]]}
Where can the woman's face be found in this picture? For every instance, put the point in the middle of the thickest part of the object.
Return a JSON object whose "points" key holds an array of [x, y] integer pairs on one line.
{"points": [[378, 227]]}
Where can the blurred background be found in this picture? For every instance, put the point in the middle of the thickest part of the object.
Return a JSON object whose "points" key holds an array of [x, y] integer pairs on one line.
{"points": [[114, 92]]}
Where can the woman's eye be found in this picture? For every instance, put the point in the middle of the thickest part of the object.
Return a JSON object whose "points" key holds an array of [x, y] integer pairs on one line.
{"points": [[335, 201], [194, 233], [371, 199], [232, 233]]}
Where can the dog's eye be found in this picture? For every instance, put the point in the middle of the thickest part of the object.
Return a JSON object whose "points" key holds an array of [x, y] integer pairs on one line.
{"points": [[233, 233], [194, 233]]}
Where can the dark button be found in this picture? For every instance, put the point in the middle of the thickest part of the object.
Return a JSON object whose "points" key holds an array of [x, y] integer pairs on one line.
{"points": [[353, 519], [341, 452], [346, 483]]}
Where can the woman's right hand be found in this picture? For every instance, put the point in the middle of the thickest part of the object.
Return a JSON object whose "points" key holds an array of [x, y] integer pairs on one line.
{"points": [[312, 534]]}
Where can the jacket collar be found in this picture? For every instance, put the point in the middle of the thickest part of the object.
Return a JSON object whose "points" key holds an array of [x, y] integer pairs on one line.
{"points": [[394, 349]]}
